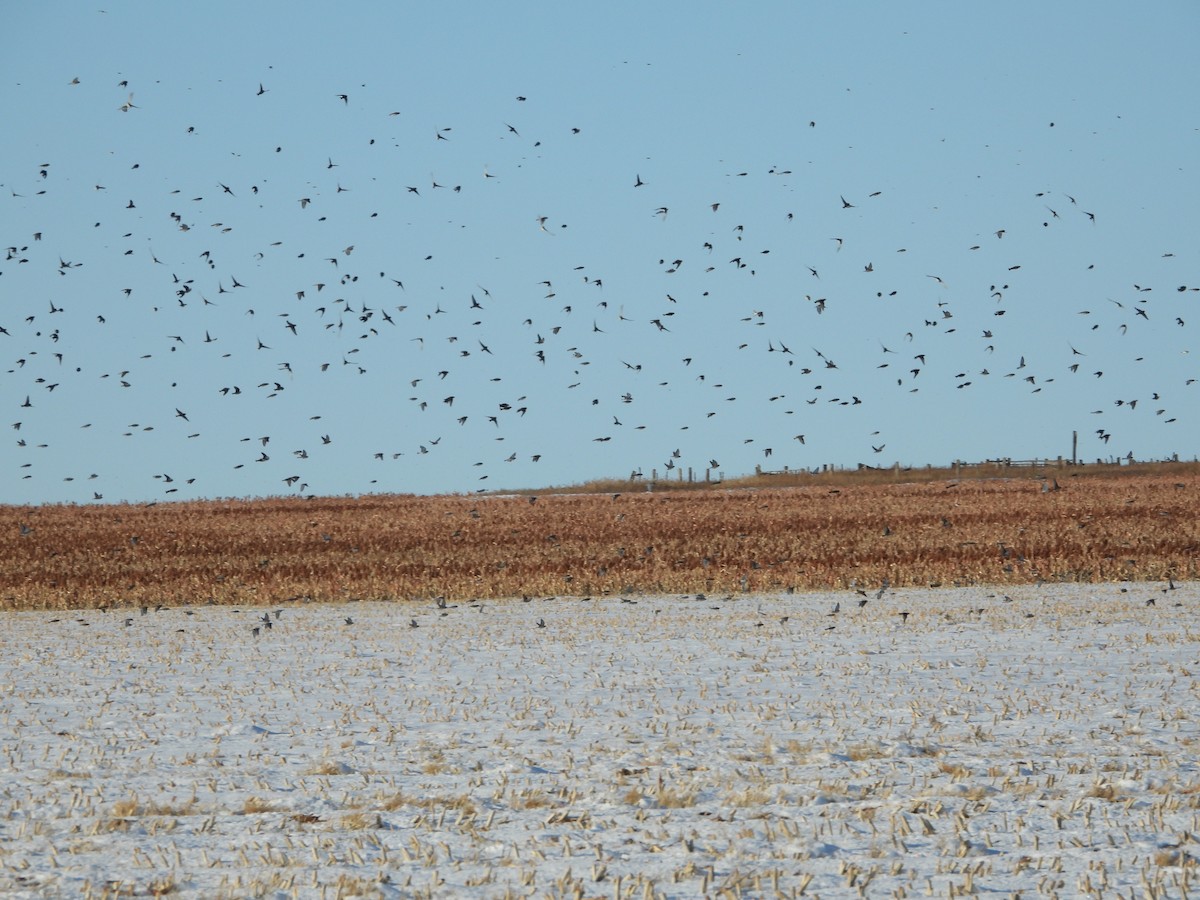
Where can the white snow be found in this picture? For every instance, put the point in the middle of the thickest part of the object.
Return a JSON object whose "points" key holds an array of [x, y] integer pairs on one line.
{"points": [[1043, 744]]}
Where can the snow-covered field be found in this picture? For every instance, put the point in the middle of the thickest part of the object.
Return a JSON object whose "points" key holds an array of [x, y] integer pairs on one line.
{"points": [[1044, 743]]}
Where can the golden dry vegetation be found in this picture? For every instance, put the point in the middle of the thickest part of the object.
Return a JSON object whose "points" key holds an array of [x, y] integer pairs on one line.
{"points": [[825, 533]]}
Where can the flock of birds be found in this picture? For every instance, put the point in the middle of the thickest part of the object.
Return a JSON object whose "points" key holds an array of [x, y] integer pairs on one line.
{"points": [[186, 349], [266, 620]]}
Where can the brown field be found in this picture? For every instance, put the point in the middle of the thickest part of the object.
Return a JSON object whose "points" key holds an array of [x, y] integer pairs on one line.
{"points": [[795, 533]]}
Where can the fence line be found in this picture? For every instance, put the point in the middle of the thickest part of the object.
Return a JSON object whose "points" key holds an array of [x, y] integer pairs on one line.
{"points": [[716, 476]]}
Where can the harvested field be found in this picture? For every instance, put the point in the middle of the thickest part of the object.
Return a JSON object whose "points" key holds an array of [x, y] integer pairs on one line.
{"points": [[1034, 742], [818, 537]]}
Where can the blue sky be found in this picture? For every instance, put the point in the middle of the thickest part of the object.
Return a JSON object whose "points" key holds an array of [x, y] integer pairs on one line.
{"points": [[544, 246]]}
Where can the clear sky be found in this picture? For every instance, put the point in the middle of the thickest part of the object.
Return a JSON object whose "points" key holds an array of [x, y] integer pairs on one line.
{"points": [[274, 248]]}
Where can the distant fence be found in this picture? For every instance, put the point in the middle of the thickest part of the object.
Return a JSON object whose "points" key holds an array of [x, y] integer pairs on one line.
{"points": [[1005, 463], [679, 473], [1000, 464], [957, 466]]}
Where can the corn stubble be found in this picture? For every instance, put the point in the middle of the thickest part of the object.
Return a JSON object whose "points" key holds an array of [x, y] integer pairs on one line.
{"points": [[1097, 529]]}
